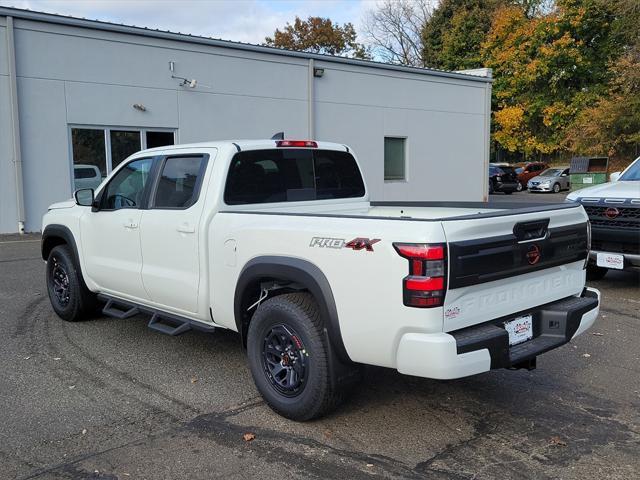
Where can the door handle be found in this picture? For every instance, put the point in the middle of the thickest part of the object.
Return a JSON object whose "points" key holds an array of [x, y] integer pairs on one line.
{"points": [[186, 228], [130, 225]]}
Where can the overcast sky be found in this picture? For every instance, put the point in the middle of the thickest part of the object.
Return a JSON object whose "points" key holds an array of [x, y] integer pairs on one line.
{"points": [[239, 20]]}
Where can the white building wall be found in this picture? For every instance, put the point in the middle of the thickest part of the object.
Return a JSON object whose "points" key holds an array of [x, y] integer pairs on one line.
{"points": [[69, 75], [442, 119]]}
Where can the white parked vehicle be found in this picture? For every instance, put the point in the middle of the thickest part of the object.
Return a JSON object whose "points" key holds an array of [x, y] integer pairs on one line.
{"points": [[278, 241], [86, 176], [614, 212]]}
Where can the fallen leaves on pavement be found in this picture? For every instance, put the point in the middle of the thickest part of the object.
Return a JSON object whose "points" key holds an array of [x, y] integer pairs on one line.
{"points": [[557, 441]]}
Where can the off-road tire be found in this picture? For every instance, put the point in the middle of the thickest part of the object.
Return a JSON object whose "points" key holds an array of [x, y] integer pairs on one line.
{"points": [[77, 302], [299, 313]]}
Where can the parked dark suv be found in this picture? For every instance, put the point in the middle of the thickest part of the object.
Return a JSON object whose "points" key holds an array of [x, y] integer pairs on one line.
{"points": [[502, 179]]}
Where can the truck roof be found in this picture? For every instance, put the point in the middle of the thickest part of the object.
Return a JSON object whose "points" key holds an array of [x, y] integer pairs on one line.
{"points": [[258, 144]]}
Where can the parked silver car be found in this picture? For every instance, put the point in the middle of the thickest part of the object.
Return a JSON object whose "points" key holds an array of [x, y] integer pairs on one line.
{"points": [[550, 180]]}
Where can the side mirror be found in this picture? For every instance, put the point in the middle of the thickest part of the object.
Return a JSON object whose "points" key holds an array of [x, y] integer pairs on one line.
{"points": [[563, 175], [614, 176], [84, 197]]}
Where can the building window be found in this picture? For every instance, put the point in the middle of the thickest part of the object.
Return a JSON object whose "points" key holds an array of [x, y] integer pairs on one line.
{"points": [[89, 157], [159, 139], [395, 158], [123, 144], [98, 150]]}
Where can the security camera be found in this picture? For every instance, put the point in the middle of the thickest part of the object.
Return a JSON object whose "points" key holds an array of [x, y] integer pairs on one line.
{"points": [[186, 82]]}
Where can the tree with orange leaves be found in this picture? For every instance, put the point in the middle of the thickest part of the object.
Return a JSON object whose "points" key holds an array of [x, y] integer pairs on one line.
{"points": [[547, 69], [318, 35]]}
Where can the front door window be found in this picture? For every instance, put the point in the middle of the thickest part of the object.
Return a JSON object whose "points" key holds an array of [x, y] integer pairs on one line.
{"points": [[126, 188]]}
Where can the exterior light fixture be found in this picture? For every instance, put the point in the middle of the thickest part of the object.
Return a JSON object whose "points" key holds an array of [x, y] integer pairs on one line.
{"points": [[318, 72], [139, 106]]}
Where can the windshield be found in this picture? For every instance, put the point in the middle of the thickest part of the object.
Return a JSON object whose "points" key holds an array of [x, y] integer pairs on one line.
{"points": [[633, 172], [519, 170], [551, 172]]}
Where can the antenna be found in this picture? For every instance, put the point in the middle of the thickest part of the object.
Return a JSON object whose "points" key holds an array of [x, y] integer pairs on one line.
{"points": [[278, 136]]}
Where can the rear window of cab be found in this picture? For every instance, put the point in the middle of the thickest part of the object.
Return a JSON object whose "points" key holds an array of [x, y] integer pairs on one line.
{"points": [[292, 175]]}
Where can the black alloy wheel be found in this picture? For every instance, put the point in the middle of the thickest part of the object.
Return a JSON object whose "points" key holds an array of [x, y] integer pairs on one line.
{"points": [[60, 281], [284, 360], [69, 296], [291, 361]]}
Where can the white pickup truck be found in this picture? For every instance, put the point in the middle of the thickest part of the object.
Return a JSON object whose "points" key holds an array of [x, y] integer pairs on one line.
{"points": [[278, 241]]}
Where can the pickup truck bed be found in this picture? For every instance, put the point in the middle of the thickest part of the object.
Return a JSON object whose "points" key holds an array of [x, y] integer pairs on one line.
{"points": [[417, 211], [488, 277]]}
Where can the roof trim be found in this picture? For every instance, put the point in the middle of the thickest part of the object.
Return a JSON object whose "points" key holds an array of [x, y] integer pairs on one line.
{"points": [[181, 37]]}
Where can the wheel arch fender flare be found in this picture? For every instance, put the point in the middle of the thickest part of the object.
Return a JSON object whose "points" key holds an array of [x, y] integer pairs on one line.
{"points": [[295, 270], [54, 235]]}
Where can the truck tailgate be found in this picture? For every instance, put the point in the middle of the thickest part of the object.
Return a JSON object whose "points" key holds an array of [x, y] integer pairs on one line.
{"points": [[510, 263]]}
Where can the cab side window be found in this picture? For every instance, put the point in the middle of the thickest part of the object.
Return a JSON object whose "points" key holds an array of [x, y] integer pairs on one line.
{"points": [[126, 188], [179, 183]]}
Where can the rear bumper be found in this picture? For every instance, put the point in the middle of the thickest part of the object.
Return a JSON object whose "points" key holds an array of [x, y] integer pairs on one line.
{"points": [[482, 347], [538, 188], [611, 239], [505, 186]]}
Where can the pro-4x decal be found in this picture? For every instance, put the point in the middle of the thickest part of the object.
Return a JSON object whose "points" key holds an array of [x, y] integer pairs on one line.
{"points": [[358, 243]]}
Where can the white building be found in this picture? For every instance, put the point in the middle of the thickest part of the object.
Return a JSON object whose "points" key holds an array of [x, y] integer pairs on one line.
{"points": [[83, 92]]}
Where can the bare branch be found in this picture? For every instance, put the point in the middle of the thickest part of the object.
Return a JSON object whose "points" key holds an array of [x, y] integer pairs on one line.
{"points": [[394, 30]]}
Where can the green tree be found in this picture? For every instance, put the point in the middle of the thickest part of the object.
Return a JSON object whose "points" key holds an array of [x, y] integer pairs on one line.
{"points": [[612, 125], [318, 35], [547, 69], [452, 36]]}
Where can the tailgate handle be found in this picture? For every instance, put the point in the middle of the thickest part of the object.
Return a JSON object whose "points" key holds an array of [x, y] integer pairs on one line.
{"points": [[527, 231]]}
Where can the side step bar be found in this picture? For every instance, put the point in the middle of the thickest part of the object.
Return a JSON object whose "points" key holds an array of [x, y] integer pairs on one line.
{"points": [[168, 327], [111, 310], [160, 321]]}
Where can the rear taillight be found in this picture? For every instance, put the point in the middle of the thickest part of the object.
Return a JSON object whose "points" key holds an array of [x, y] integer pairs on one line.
{"points": [[425, 285], [297, 143]]}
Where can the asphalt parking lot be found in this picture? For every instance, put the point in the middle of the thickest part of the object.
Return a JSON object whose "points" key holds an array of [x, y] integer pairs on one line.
{"points": [[112, 399]]}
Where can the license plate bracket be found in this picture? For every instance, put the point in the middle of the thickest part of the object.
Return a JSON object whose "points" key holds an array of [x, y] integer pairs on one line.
{"points": [[610, 260], [520, 329]]}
